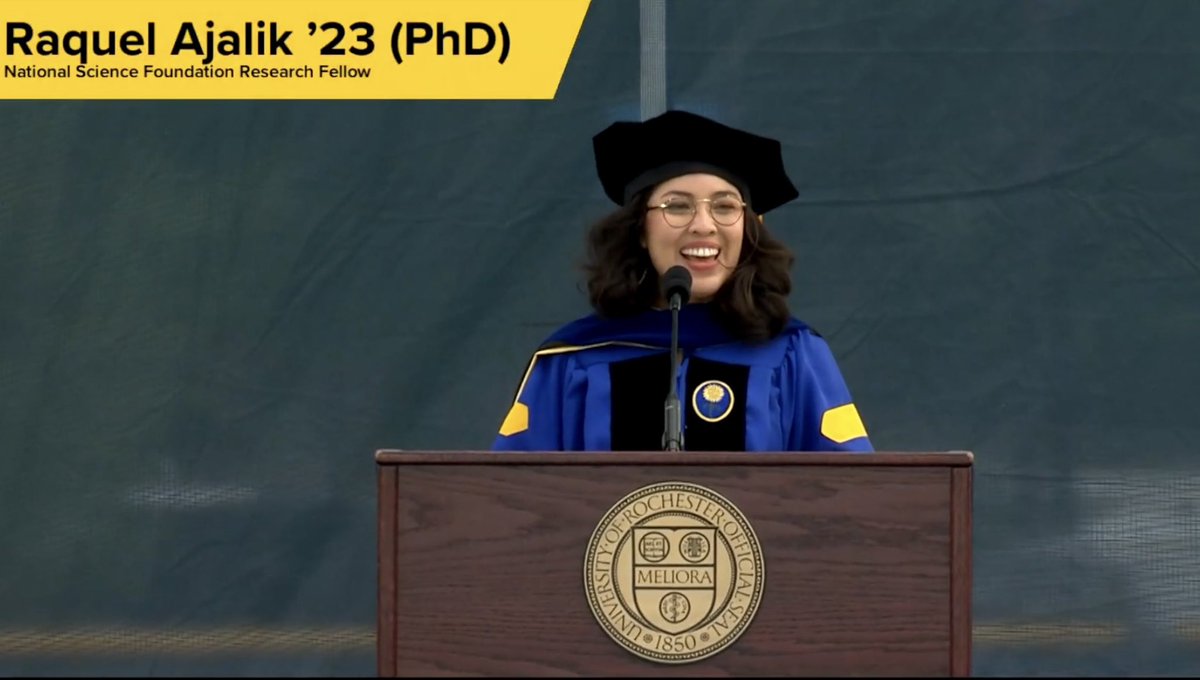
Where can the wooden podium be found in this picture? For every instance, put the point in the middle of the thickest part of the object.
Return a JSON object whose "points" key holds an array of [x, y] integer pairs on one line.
{"points": [[866, 559]]}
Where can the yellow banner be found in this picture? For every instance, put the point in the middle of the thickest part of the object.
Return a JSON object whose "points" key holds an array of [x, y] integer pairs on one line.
{"points": [[286, 49]]}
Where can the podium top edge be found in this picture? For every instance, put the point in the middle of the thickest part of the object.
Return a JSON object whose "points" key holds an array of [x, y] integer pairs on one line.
{"points": [[913, 459]]}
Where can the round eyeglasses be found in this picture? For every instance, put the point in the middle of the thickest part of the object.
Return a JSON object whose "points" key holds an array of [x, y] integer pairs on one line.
{"points": [[679, 212]]}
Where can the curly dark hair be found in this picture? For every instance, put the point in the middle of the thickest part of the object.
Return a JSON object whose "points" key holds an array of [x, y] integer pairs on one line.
{"points": [[621, 280]]}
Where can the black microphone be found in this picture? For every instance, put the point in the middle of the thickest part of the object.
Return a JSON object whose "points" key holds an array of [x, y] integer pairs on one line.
{"points": [[677, 287]]}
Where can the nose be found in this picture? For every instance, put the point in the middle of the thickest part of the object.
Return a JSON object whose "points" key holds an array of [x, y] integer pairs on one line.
{"points": [[703, 222]]}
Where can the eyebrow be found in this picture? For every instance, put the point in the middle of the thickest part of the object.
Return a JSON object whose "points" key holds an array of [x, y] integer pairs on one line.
{"points": [[679, 192]]}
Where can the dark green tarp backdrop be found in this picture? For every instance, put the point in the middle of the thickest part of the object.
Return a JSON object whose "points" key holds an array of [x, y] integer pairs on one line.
{"points": [[213, 313]]}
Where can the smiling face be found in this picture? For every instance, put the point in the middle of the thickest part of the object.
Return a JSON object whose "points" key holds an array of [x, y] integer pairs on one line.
{"points": [[708, 243]]}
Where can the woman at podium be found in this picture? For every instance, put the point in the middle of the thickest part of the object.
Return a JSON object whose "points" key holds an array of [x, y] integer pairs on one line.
{"points": [[690, 193]]}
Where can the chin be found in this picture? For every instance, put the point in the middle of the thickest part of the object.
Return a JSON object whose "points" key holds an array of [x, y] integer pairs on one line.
{"points": [[703, 294]]}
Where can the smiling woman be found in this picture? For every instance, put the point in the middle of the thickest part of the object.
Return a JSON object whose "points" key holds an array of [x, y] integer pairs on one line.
{"points": [[708, 242], [690, 192]]}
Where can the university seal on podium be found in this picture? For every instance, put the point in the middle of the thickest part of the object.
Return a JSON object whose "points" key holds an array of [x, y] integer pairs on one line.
{"points": [[674, 573]]}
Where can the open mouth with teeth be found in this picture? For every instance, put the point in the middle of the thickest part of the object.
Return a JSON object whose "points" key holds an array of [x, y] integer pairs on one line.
{"points": [[700, 254]]}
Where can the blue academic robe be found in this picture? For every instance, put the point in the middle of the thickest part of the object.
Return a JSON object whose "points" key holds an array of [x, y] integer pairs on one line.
{"points": [[600, 384]]}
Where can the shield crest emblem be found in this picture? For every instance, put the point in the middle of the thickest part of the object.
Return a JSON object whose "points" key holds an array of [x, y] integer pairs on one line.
{"points": [[674, 576]]}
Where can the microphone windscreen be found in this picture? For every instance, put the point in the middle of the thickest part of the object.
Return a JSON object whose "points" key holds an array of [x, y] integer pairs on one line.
{"points": [[677, 279]]}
